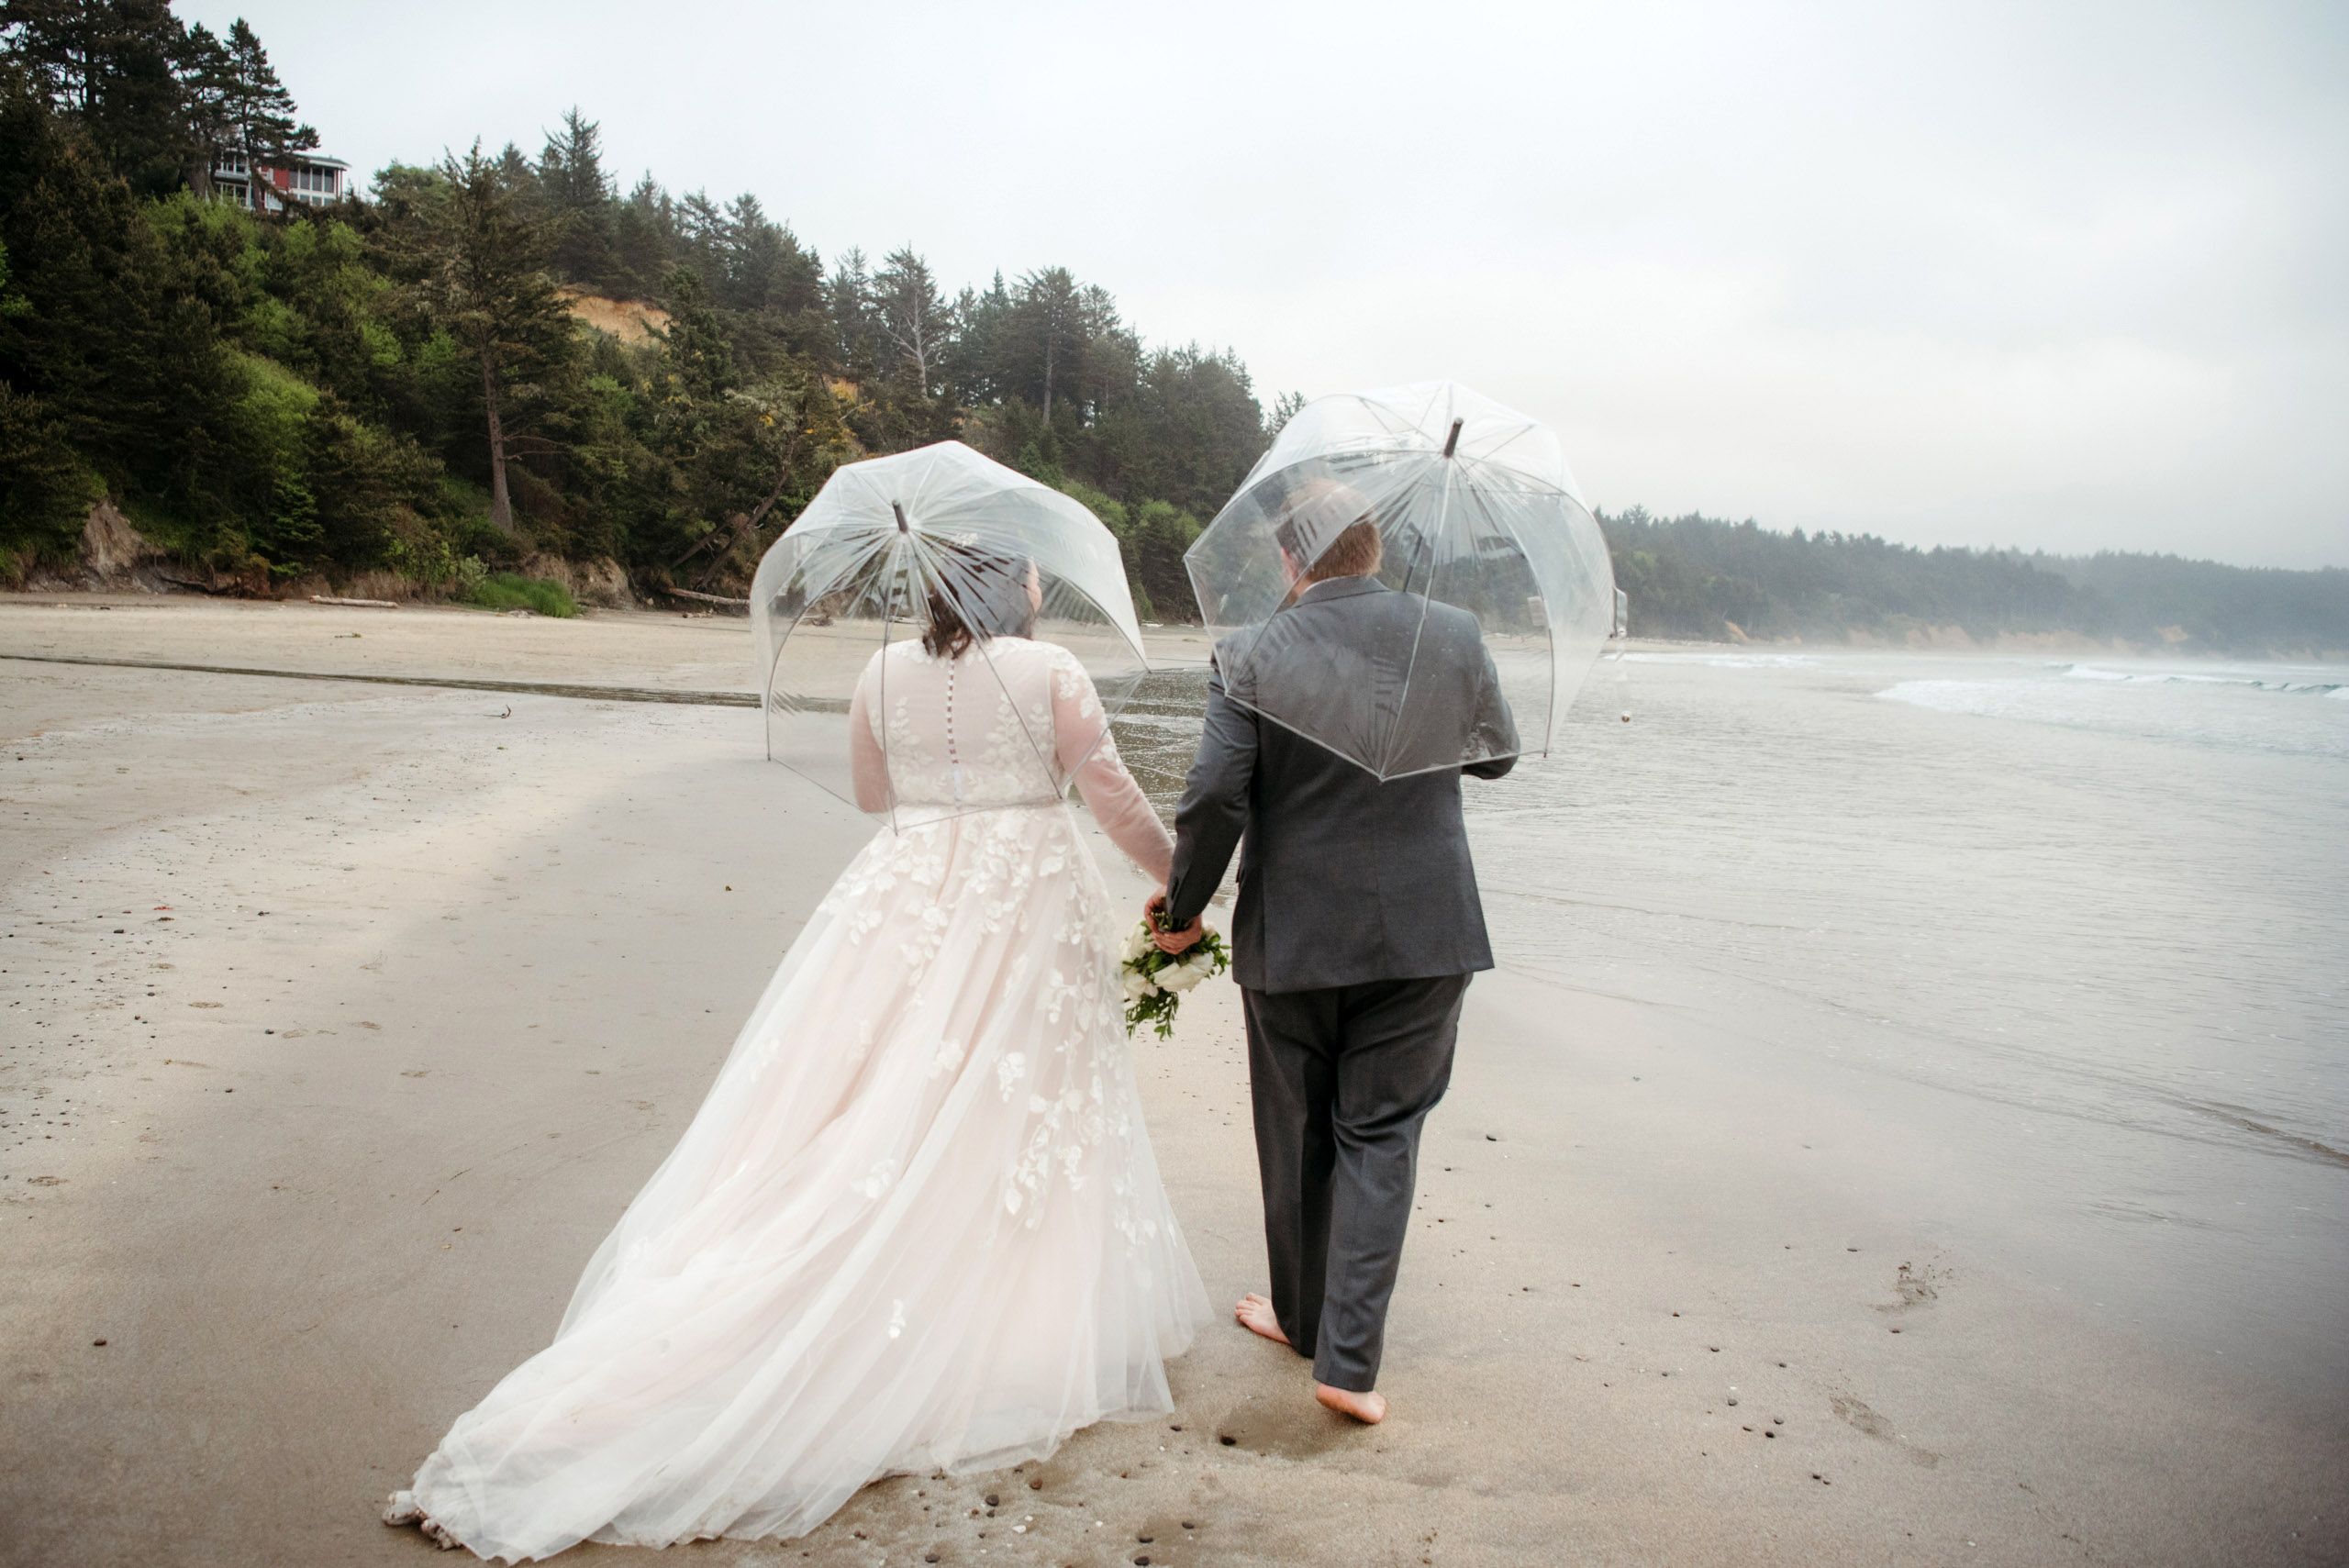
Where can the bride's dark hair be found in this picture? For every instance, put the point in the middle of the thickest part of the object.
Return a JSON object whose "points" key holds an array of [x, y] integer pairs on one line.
{"points": [[974, 594]]}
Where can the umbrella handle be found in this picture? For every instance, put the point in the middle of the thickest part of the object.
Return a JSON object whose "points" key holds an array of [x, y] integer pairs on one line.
{"points": [[1449, 441], [903, 528]]}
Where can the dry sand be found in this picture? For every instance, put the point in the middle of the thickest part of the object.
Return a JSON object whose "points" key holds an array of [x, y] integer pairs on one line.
{"points": [[337, 1022]]}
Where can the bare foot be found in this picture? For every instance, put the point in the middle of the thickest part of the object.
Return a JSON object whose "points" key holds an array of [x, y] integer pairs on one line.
{"points": [[404, 1512], [1255, 1314], [1369, 1408]]}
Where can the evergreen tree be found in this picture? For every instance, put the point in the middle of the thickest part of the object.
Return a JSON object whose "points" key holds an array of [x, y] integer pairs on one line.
{"points": [[700, 230], [976, 361], [256, 106], [43, 488], [848, 299], [1285, 408], [123, 359], [108, 66], [207, 89], [1045, 336], [579, 197], [915, 322], [697, 361], [479, 259], [644, 236]]}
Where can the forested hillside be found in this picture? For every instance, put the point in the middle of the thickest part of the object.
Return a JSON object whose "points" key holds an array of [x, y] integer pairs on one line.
{"points": [[395, 384], [404, 387], [1699, 577]]}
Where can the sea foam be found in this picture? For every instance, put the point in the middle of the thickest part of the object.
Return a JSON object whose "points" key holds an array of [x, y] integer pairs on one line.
{"points": [[2199, 678]]}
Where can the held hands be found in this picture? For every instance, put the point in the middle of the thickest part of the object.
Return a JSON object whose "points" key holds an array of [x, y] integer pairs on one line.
{"points": [[1157, 966], [1180, 940]]}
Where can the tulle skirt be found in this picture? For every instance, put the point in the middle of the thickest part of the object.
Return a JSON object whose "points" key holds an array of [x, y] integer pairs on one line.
{"points": [[917, 1224]]}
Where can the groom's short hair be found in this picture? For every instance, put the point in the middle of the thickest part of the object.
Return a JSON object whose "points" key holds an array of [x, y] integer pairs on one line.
{"points": [[1337, 516]]}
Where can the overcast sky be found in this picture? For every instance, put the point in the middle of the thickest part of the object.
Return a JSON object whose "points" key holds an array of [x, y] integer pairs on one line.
{"points": [[2064, 276]]}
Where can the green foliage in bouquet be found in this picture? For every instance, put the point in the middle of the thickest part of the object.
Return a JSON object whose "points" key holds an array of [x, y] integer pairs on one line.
{"points": [[1155, 981]]}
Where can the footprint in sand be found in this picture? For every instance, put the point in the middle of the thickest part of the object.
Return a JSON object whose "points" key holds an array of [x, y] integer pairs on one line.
{"points": [[1856, 1413], [1915, 1285]]}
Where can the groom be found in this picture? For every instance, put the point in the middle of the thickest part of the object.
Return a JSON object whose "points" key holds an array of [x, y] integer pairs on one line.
{"points": [[1358, 924]]}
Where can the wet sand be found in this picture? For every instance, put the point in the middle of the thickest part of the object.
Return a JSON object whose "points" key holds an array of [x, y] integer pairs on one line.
{"points": [[339, 1021]]}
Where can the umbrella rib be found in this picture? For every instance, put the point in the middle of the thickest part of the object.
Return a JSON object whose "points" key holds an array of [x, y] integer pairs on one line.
{"points": [[1548, 636], [1522, 430], [781, 645], [1549, 631], [1443, 510]]}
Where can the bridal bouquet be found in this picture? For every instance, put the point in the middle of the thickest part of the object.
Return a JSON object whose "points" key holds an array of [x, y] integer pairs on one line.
{"points": [[1155, 981]]}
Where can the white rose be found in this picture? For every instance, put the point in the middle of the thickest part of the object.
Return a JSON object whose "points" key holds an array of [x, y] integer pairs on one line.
{"points": [[1138, 942], [1139, 986], [1181, 977]]}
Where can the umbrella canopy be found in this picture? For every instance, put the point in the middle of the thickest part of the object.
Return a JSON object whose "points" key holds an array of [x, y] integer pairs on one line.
{"points": [[1394, 562], [886, 547]]}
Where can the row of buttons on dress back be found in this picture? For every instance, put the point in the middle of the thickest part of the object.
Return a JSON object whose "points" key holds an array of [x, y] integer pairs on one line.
{"points": [[953, 755]]}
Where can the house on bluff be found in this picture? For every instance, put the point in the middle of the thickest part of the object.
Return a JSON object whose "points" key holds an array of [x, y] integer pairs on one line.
{"points": [[272, 186]]}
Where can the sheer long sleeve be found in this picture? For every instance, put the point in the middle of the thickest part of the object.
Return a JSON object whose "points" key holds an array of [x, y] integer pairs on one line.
{"points": [[1089, 754], [868, 764]]}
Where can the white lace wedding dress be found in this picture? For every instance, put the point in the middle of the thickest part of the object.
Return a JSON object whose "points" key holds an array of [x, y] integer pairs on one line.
{"points": [[917, 1224]]}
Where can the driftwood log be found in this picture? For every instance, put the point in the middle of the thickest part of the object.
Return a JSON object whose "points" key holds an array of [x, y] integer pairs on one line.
{"points": [[354, 604], [741, 606], [213, 588]]}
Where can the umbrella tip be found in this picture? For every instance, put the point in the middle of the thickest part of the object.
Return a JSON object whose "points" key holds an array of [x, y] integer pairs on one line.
{"points": [[900, 507], [1452, 439]]}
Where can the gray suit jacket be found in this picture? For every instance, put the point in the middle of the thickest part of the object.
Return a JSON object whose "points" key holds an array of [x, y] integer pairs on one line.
{"points": [[1343, 880]]}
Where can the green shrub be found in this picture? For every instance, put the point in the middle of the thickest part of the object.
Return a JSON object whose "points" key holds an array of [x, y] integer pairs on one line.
{"points": [[511, 591], [478, 536], [281, 510], [45, 491]]}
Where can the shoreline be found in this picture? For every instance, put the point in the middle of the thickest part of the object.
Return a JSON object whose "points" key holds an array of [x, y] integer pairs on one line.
{"points": [[319, 1148], [1177, 635]]}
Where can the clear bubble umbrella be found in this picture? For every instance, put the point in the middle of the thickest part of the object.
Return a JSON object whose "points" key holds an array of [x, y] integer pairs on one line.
{"points": [[884, 546], [1465, 512]]}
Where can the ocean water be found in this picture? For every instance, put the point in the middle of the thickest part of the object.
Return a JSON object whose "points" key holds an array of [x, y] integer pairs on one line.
{"points": [[2119, 888], [2078, 927]]}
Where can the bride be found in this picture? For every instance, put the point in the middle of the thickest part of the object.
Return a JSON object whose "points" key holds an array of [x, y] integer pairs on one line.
{"points": [[917, 1224]]}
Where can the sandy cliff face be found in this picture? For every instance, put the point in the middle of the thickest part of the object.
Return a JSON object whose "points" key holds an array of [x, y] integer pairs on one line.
{"points": [[111, 549], [631, 321], [112, 556]]}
